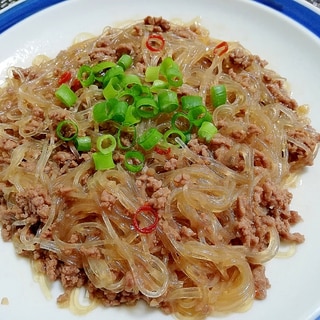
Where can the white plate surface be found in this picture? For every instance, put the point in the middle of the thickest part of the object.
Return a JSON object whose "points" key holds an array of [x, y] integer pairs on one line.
{"points": [[291, 50]]}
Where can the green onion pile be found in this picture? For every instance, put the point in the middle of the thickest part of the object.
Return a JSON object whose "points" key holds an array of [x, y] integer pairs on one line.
{"points": [[128, 101]]}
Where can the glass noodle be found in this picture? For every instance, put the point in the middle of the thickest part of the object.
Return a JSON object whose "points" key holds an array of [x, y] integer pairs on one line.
{"points": [[219, 214]]}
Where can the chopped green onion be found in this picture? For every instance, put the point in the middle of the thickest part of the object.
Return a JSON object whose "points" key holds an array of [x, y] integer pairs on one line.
{"points": [[146, 107], [114, 72], [134, 161], [207, 130], [199, 114], [106, 143], [144, 91], [125, 61], [127, 96], [152, 73], [127, 134], [188, 137], [137, 89], [83, 143], [129, 80], [174, 77], [117, 109], [167, 63], [218, 95], [170, 69], [168, 101], [189, 102], [100, 112], [66, 95], [131, 116], [86, 76], [112, 89], [159, 85], [102, 66], [170, 135], [67, 130], [101, 69], [103, 161], [180, 121], [149, 138]]}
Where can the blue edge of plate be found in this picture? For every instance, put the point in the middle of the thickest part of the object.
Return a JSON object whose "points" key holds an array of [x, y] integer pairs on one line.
{"points": [[23, 10], [290, 8], [294, 10]]}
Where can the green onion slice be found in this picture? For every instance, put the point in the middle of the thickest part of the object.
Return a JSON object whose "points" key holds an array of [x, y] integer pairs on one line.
{"points": [[128, 96], [101, 68], [199, 114], [106, 143], [189, 102], [86, 76], [170, 69], [180, 121], [117, 110], [112, 89], [207, 130], [174, 77], [66, 95], [159, 85], [131, 116], [146, 107], [103, 161], [100, 112], [126, 137], [114, 72], [83, 143], [149, 138], [152, 73], [129, 80], [134, 161], [218, 95], [167, 63], [168, 101], [170, 135], [67, 130], [125, 61], [144, 91]]}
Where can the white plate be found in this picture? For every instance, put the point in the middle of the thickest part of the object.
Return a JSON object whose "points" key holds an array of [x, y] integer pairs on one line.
{"points": [[292, 51]]}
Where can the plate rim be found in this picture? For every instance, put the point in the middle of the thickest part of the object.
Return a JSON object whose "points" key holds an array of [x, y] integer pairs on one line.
{"points": [[65, 1]]}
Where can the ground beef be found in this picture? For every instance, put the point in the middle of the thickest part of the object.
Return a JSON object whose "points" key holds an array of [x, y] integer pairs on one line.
{"points": [[239, 57], [301, 156], [71, 276], [276, 88], [109, 298], [159, 24], [260, 281], [198, 148], [253, 213]]}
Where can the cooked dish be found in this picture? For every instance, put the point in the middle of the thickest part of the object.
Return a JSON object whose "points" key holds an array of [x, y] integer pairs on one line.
{"points": [[153, 163]]}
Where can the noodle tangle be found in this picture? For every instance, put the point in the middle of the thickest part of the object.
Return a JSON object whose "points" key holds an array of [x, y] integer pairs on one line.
{"points": [[190, 232]]}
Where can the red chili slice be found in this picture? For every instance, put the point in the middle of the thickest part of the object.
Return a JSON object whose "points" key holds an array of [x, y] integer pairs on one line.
{"points": [[161, 151], [65, 77], [155, 42], [221, 48], [146, 209], [76, 84]]}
